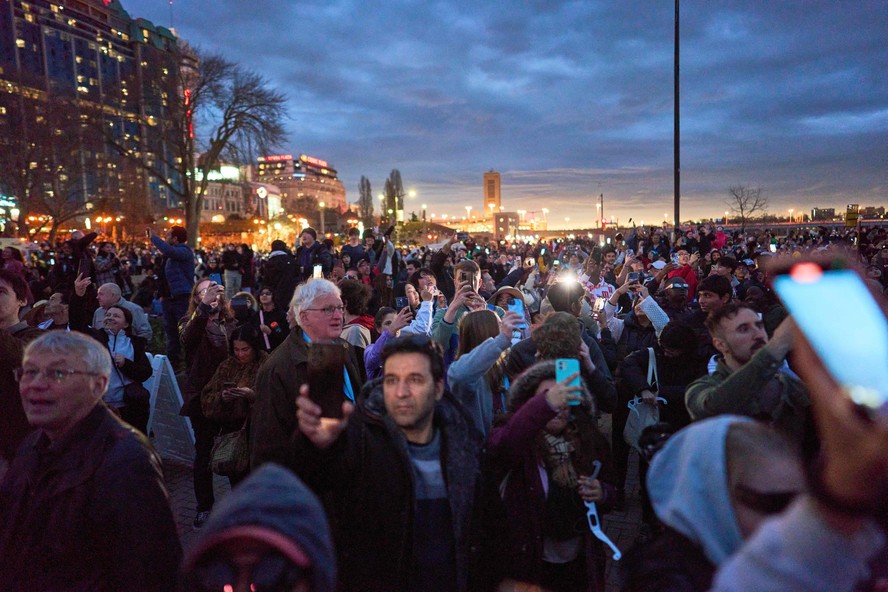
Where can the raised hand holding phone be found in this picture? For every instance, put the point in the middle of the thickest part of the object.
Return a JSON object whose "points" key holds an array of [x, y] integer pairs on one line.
{"points": [[321, 431]]}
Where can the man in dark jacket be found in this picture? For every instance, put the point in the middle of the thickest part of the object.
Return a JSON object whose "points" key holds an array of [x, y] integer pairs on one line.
{"points": [[178, 274], [317, 308], [83, 505], [399, 524], [311, 253]]}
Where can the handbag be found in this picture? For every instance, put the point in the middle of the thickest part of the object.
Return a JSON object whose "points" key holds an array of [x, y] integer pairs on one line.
{"points": [[230, 456], [642, 415], [135, 394]]}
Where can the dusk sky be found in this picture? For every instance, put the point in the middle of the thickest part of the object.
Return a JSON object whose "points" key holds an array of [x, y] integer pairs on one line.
{"points": [[571, 99]]}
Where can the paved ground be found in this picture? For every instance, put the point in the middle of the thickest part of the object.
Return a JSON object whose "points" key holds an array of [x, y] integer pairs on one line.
{"points": [[621, 527]]}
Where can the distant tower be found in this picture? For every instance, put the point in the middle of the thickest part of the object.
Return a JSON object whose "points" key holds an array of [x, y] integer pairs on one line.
{"points": [[492, 197]]}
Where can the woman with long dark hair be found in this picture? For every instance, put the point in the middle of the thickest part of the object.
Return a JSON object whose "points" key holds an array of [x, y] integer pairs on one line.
{"points": [[229, 395], [204, 332]]}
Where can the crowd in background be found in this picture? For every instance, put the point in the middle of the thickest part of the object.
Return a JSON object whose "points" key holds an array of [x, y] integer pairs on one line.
{"points": [[651, 318]]}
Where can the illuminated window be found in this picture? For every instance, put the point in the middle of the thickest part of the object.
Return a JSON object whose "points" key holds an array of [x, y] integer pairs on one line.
{"points": [[29, 17], [20, 42]]}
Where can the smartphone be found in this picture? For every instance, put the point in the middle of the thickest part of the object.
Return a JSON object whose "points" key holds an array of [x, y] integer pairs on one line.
{"points": [[542, 251], [633, 277], [530, 262], [318, 272], [564, 367], [148, 234], [599, 304], [326, 376], [400, 302], [772, 247], [517, 305], [675, 259], [462, 236], [465, 278], [83, 266], [844, 325]]}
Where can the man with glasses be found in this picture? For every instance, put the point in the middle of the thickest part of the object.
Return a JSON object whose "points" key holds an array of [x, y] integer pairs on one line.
{"points": [[317, 310], [83, 505]]}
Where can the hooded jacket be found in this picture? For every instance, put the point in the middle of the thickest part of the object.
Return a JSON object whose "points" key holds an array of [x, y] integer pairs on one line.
{"points": [[368, 475], [274, 499]]}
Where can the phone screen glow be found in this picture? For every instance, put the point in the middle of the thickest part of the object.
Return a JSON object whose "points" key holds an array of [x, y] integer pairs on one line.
{"points": [[846, 328]]}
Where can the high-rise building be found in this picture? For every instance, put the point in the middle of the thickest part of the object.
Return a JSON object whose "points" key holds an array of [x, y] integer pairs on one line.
{"points": [[492, 197], [300, 178], [114, 69]]}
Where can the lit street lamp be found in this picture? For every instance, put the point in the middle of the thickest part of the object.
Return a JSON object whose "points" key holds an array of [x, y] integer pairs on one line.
{"points": [[790, 215]]}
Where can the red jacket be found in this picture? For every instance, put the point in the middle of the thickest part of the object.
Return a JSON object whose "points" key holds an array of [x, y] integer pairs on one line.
{"points": [[687, 273]]}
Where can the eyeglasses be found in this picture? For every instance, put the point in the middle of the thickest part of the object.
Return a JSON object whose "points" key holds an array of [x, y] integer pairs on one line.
{"points": [[328, 310], [764, 503], [56, 375], [270, 572]]}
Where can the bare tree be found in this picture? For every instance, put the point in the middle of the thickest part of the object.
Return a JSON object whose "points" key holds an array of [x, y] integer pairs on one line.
{"points": [[215, 111], [365, 201], [46, 155], [745, 202]]}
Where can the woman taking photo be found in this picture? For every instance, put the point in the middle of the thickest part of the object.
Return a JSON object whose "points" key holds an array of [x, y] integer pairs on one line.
{"points": [[544, 455], [204, 332], [270, 320], [227, 398], [474, 377], [127, 351]]}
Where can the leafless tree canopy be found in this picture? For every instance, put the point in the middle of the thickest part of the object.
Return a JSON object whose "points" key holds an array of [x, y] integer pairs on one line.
{"points": [[745, 202], [217, 112], [45, 154]]}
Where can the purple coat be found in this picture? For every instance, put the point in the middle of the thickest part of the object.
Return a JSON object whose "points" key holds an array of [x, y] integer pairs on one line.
{"points": [[513, 456]]}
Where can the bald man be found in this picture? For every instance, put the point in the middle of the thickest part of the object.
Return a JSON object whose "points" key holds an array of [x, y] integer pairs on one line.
{"points": [[108, 295]]}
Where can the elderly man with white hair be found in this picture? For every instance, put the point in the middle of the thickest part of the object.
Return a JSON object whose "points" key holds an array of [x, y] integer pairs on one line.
{"points": [[108, 295], [317, 311], [83, 505]]}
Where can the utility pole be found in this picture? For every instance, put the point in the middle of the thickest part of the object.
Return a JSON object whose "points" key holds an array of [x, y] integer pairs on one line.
{"points": [[677, 130]]}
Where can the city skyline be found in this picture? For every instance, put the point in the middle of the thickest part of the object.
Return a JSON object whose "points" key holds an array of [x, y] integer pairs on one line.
{"points": [[570, 100]]}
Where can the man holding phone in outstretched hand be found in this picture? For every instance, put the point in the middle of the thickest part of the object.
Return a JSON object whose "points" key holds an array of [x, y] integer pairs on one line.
{"points": [[317, 308], [399, 525]]}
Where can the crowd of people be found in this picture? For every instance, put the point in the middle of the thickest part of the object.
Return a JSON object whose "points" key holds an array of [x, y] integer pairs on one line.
{"points": [[405, 422]]}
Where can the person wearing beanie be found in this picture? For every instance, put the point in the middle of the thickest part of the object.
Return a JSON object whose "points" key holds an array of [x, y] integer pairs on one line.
{"points": [[312, 252], [270, 532]]}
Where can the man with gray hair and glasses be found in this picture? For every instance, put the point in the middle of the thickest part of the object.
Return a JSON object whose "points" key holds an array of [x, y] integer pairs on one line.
{"points": [[83, 505], [317, 310]]}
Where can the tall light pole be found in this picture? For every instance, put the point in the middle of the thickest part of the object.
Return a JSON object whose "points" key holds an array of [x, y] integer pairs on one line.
{"points": [[790, 215], [676, 130], [424, 218], [321, 205]]}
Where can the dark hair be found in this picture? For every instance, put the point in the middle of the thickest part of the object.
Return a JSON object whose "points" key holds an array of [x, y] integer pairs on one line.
{"points": [[16, 254], [248, 334], [677, 335], [127, 316], [179, 233], [354, 231], [355, 296], [381, 314], [563, 295], [311, 231], [417, 344], [17, 283], [728, 261], [717, 284], [728, 311], [414, 279]]}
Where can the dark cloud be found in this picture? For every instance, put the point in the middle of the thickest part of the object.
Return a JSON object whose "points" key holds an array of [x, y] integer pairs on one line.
{"points": [[571, 99]]}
